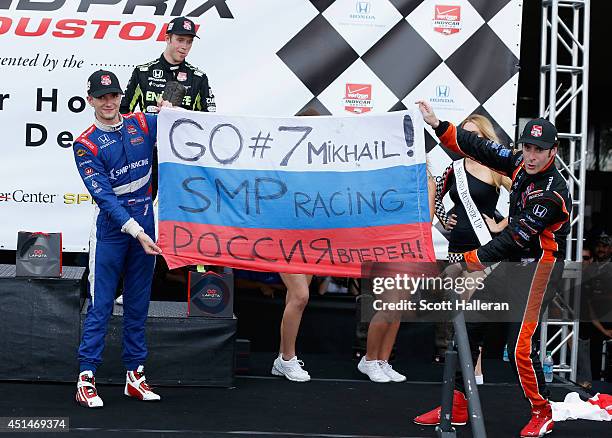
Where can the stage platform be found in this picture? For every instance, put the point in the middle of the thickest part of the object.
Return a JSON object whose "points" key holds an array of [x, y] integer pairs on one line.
{"points": [[261, 406], [41, 323], [338, 402]]}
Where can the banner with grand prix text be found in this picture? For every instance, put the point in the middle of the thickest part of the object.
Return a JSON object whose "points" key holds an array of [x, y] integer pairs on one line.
{"points": [[318, 195], [264, 57]]}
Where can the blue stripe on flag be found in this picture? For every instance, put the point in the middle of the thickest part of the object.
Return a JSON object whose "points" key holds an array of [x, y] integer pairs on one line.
{"points": [[293, 200]]}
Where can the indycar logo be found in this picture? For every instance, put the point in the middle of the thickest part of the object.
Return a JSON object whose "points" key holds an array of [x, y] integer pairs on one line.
{"points": [[358, 98], [181, 76], [187, 25], [105, 80], [447, 19], [131, 129]]}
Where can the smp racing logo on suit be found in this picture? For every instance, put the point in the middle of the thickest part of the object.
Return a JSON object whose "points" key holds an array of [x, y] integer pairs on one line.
{"points": [[447, 19], [64, 18], [136, 140], [358, 98]]}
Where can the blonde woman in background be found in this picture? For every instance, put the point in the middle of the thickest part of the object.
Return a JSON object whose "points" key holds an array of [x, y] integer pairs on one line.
{"points": [[484, 186]]}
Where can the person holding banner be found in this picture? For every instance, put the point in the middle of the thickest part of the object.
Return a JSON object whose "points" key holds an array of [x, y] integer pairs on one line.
{"points": [[534, 240], [474, 188], [114, 158]]}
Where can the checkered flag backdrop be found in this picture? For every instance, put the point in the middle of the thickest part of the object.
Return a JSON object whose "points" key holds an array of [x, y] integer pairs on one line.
{"points": [[383, 55]]}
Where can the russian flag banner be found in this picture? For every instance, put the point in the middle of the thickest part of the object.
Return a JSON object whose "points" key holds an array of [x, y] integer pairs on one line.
{"points": [[314, 195]]}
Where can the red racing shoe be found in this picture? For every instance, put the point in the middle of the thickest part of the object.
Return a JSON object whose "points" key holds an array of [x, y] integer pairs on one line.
{"points": [[540, 424], [459, 415], [136, 386], [87, 394]]}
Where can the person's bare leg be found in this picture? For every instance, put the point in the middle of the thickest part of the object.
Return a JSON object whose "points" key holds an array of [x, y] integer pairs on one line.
{"points": [[478, 368], [388, 341], [376, 334], [295, 303]]}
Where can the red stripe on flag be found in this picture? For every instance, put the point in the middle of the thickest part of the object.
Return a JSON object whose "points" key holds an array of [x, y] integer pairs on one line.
{"points": [[337, 252]]}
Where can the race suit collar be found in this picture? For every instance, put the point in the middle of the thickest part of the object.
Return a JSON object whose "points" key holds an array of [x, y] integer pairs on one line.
{"points": [[172, 67], [109, 128]]}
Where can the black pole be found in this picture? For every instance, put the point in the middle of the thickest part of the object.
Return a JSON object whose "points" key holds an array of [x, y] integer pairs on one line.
{"points": [[469, 381], [446, 429]]}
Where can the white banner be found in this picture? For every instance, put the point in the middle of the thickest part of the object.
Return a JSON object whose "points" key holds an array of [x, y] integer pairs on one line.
{"points": [[257, 60], [318, 195]]}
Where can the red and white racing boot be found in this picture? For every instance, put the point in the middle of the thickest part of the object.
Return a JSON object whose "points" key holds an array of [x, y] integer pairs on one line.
{"points": [[136, 386], [87, 394], [540, 424]]}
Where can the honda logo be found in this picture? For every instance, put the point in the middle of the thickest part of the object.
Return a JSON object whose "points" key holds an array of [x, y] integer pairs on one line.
{"points": [[443, 91], [157, 74], [104, 138], [363, 7], [539, 210]]}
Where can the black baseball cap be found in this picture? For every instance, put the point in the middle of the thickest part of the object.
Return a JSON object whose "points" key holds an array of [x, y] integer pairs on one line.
{"points": [[103, 82], [182, 26], [539, 132]]}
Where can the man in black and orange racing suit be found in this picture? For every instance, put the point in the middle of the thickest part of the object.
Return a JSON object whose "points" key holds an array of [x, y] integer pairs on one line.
{"points": [[536, 235]]}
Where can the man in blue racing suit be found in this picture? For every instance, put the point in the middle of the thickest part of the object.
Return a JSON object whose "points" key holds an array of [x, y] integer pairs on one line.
{"points": [[114, 158]]}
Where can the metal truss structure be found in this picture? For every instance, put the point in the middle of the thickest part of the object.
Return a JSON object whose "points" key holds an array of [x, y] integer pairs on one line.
{"points": [[564, 86]]}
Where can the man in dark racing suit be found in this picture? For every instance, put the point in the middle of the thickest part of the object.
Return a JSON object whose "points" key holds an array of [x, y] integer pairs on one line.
{"points": [[536, 235], [149, 80]]}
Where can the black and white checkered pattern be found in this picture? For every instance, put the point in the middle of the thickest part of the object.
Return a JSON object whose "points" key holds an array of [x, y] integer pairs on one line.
{"points": [[392, 46]]}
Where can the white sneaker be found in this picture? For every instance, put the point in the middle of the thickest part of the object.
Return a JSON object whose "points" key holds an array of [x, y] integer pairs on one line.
{"points": [[136, 386], [119, 300], [373, 370], [291, 369], [86, 394], [479, 379], [389, 371]]}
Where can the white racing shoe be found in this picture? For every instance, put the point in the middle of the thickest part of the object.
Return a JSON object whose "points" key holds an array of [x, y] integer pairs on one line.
{"points": [[87, 394], [136, 386]]}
